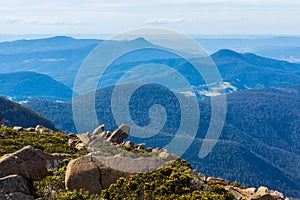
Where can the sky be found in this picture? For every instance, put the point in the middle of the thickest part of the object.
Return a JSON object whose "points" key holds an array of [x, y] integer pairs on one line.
{"points": [[199, 17]]}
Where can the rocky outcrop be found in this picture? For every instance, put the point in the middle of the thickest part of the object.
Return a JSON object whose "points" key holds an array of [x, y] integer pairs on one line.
{"points": [[91, 140], [252, 193], [262, 193], [95, 141], [99, 135], [18, 170], [111, 159], [38, 128]]}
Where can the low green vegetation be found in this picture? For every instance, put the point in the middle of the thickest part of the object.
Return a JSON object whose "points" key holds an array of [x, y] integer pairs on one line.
{"points": [[174, 181], [57, 142]]}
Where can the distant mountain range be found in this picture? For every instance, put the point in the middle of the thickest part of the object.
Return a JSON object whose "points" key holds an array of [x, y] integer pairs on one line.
{"points": [[280, 47], [238, 71], [60, 57], [260, 136], [14, 114], [21, 86], [245, 71]]}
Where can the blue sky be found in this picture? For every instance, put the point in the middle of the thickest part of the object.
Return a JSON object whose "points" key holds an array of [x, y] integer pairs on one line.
{"points": [[202, 17]]}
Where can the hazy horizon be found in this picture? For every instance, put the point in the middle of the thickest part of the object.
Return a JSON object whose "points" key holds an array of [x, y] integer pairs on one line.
{"points": [[13, 37], [214, 17]]}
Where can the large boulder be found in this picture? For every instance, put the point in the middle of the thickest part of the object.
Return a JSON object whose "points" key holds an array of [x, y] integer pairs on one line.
{"points": [[28, 162], [89, 174], [94, 172]]}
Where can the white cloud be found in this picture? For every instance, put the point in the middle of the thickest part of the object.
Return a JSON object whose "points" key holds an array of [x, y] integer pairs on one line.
{"points": [[166, 20], [38, 20], [54, 22], [9, 20]]}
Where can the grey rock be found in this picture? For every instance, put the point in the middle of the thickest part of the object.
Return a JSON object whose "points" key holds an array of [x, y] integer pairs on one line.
{"points": [[42, 129], [140, 146], [14, 183], [107, 134], [235, 192], [98, 130], [262, 193], [28, 162], [262, 190], [84, 138], [30, 129], [164, 155], [128, 144], [250, 191], [277, 195], [158, 150], [18, 128], [119, 134]]}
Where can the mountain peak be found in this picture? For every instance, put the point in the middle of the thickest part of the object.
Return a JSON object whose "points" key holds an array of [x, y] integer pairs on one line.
{"points": [[140, 41], [226, 53], [59, 38]]}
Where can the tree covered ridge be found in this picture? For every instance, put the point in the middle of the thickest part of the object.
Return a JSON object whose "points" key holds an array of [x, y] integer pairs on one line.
{"points": [[14, 114]]}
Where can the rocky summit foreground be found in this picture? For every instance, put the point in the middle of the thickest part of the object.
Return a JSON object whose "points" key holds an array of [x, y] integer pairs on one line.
{"points": [[38, 163]]}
